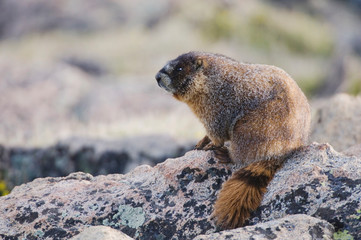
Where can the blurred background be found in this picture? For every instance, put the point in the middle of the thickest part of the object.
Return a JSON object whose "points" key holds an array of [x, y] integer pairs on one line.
{"points": [[84, 69]]}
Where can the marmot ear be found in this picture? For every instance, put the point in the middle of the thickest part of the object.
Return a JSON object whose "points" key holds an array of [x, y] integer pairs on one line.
{"points": [[199, 63]]}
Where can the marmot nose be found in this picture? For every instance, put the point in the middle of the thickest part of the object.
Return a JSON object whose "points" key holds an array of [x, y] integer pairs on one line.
{"points": [[157, 77]]}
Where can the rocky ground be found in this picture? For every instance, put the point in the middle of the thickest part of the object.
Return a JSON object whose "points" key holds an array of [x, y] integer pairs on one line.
{"points": [[174, 200]]}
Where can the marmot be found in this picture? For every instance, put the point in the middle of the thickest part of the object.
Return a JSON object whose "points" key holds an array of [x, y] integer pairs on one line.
{"points": [[258, 108]]}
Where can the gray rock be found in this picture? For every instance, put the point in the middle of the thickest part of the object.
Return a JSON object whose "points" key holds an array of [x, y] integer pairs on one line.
{"points": [[337, 121], [41, 16], [101, 233], [318, 182], [174, 199], [353, 151], [89, 66], [299, 226], [171, 199], [96, 157], [19, 19]]}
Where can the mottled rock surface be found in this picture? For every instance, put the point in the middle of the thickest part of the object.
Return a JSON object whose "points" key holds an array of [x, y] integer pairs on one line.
{"points": [[101, 233], [174, 199], [321, 183], [297, 226], [337, 121]]}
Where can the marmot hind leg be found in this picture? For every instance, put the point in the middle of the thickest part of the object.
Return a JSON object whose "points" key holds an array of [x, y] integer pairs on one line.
{"points": [[222, 154]]}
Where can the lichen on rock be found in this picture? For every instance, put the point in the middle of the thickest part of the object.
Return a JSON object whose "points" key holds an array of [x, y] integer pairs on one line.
{"points": [[297, 226], [174, 200]]}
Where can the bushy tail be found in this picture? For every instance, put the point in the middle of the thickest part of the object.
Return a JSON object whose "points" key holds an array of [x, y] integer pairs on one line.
{"points": [[243, 193]]}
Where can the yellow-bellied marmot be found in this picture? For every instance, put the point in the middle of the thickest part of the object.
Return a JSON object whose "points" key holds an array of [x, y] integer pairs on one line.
{"points": [[259, 109]]}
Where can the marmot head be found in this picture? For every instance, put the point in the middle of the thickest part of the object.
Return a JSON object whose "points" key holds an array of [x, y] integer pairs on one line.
{"points": [[177, 75]]}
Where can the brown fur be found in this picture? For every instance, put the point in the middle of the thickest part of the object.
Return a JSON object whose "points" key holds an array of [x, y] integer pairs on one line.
{"points": [[259, 109], [243, 193]]}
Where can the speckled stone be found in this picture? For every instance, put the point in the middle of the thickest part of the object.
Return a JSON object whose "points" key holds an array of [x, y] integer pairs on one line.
{"points": [[319, 182], [297, 226], [174, 199]]}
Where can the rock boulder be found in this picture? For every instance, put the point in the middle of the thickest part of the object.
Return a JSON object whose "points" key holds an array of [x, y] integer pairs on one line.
{"points": [[297, 226], [336, 120], [21, 165], [174, 199]]}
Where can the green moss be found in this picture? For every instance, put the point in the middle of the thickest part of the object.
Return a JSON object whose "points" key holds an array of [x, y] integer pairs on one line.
{"points": [[298, 33], [310, 85], [3, 188], [357, 215], [259, 32], [342, 235], [220, 26], [355, 87], [267, 27]]}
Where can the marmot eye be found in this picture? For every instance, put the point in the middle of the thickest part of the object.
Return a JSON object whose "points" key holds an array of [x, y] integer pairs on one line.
{"points": [[179, 69]]}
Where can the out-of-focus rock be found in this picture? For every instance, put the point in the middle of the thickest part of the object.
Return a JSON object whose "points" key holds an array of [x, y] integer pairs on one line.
{"points": [[40, 105], [337, 121], [89, 66], [20, 165], [39, 100], [21, 18], [174, 200], [101, 233], [298, 226], [353, 151]]}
